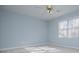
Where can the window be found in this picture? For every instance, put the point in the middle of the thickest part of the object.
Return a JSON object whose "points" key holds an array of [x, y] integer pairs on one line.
{"points": [[69, 29]]}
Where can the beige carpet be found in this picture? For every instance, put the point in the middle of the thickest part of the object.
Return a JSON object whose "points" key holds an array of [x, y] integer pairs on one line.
{"points": [[41, 49]]}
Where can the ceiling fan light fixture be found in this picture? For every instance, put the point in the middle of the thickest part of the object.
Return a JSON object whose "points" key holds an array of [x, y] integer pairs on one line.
{"points": [[49, 8]]}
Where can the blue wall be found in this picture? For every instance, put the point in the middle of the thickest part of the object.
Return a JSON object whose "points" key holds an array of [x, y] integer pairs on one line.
{"points": [[21, 31], [53, 32]]}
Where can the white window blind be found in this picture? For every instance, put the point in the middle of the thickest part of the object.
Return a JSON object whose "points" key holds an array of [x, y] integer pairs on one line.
{"points": [[69, 28]]}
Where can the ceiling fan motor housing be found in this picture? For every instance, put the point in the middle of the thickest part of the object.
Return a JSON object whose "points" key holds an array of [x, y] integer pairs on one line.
{"points": [[49, 8]]}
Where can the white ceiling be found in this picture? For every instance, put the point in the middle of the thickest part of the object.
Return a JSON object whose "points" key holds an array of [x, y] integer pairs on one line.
{"points": [[40, 12]]}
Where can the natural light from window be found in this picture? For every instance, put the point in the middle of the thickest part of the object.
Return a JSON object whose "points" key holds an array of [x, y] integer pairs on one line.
{"points": [[69, 29]]}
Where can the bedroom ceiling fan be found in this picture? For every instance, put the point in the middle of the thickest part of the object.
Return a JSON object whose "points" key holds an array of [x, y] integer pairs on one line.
{"points": [[50, 9]]}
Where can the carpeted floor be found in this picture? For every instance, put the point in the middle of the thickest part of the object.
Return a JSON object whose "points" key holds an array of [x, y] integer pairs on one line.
{"points": [[41, 49]]}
